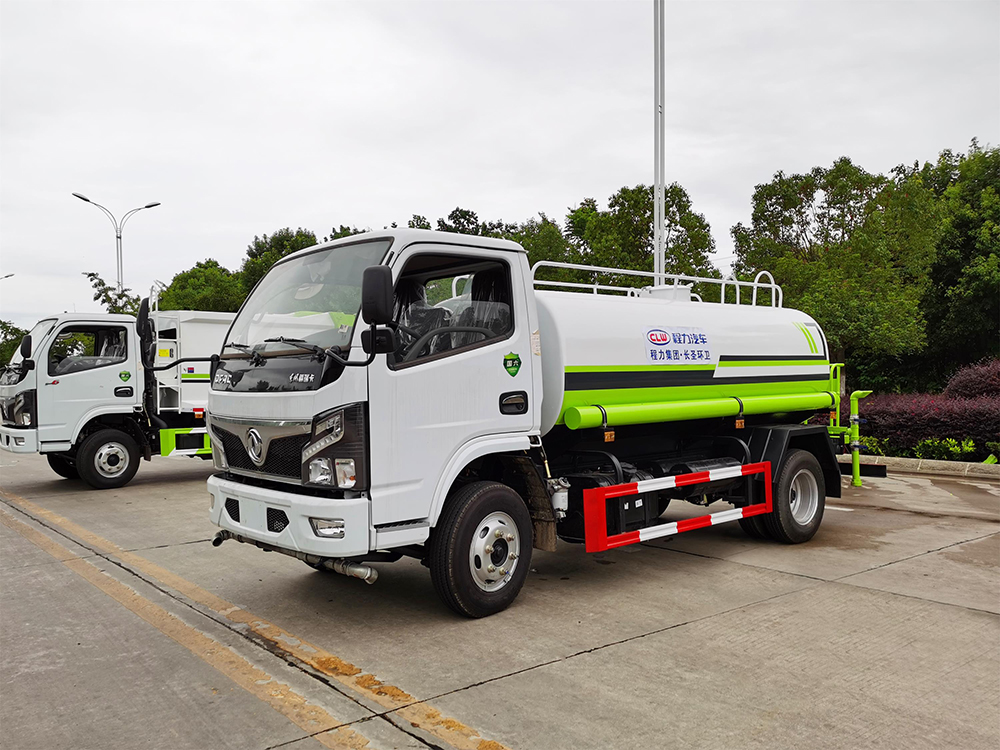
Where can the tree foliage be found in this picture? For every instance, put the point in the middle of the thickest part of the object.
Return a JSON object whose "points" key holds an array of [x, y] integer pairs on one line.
{"points": [[113, 300], [850, 248], [622, 236], [207, 286], [265, 251], [10, 339]]}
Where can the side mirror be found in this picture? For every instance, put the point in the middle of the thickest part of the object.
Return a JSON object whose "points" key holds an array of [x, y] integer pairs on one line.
{"points": [[27, 364], [142, 318], [143, 333], [385, 341], [26, 346], [376, 295]]}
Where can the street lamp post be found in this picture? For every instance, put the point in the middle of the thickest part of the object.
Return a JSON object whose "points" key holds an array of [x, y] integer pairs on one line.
{"points": [[118, 225]]}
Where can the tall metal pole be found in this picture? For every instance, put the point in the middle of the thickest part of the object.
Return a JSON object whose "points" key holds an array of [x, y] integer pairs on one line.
{"points": [[659, 143]]}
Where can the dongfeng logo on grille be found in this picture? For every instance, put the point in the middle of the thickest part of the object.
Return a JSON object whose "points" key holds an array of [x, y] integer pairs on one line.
{"points": [[255, 446]]}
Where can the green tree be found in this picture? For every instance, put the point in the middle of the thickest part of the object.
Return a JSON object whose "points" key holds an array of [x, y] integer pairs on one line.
{"points": [[10, 339], [850, 248], [113, 300], [622, 236], [342, 231], [418, 222], [265, 251], [207, 286]]}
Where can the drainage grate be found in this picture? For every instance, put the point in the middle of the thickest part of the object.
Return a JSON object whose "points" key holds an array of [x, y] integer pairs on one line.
{"points": [[276, 520], [233, 508]]}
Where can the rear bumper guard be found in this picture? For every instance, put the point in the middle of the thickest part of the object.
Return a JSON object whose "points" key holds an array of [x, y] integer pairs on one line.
{"points": [[595, 504]]}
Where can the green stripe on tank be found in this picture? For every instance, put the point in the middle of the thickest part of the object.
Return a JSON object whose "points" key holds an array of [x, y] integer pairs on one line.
{"points": [[609, 397], [638, 368], [777, 363], [809, 338], [196, 376]]}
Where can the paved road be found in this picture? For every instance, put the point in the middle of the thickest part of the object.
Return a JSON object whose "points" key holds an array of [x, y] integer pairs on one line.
{"points": [[123, 628]]}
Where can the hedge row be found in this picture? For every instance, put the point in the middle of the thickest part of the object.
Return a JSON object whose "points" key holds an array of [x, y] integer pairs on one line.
{"points": [[978, 380], [903, 421]]}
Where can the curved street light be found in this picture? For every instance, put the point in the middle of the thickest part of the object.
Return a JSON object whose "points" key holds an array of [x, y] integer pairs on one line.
{"points": [[118, 225]]}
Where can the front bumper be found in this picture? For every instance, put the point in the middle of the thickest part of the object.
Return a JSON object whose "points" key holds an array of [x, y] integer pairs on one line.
{"points": [[18, 441], [298, 535]]}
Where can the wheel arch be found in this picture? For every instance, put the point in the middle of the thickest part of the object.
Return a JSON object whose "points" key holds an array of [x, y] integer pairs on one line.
{"points": [[126, 421], [772, 443]]}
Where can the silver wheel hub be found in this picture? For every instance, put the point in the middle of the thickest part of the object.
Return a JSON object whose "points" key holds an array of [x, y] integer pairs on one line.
{"points": [[804, 497], [111, 460], [495, 551]]}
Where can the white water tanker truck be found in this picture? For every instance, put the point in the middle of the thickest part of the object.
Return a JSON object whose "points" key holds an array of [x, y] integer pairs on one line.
{"points": [[479, 411], [96, 393]]}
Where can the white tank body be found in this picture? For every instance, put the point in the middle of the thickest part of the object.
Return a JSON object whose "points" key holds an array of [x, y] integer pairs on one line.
{"points": [[606, 350]]}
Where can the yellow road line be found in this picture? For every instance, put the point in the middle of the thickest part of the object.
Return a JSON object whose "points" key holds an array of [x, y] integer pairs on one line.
{"points": [[279, 696], [418, 713]]}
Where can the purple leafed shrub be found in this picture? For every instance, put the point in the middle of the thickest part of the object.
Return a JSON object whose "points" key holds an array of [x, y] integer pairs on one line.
{"points": [[904, 420], [975, 381]]}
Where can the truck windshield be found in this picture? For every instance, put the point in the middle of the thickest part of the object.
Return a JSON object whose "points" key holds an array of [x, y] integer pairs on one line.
{"points": [[314, 298], [38, 333]]}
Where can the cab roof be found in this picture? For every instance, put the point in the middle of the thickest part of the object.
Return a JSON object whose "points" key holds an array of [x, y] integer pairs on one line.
{"points": [[401, 238]]}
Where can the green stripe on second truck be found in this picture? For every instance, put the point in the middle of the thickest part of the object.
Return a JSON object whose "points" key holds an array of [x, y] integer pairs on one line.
{"points": [[185, 441]]}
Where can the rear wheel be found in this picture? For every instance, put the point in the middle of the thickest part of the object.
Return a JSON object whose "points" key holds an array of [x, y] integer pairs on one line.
{"points": [[62, 466], [481, 549], [799, 499], [754, 527], [107, 459]]}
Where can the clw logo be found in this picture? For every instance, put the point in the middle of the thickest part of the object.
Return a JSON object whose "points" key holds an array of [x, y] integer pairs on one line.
{"points": [[658, 337]]}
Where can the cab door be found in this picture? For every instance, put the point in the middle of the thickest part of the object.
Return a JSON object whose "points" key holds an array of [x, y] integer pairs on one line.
{"points": [[88, 369], [461, 370]]}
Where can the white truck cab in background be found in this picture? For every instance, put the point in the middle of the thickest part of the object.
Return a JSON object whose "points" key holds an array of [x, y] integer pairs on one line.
{"points": [[77, 391], [474, 415]]}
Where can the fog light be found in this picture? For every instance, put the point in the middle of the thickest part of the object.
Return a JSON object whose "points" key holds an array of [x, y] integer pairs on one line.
{"points": [[18, 441], [331, 528], [346, 476], [320, 471]]}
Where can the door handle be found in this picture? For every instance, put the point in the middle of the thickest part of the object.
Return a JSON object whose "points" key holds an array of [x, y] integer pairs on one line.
{"points": [[514, 402], [124, 391]]}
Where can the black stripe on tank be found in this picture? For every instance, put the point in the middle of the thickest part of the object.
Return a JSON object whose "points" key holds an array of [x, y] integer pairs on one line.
{"points": [[770, 358], [603, 381]]}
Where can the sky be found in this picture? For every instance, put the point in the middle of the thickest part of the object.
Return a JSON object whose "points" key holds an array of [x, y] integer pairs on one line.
{"points": [[241, 118]]}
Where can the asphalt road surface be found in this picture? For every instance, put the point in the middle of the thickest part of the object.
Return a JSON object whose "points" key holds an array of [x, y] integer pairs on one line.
{"points": [[122, 627]]}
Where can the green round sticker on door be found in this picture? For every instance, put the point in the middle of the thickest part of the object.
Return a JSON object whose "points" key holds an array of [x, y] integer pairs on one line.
{"points": [[512, 363], [125, 375]]}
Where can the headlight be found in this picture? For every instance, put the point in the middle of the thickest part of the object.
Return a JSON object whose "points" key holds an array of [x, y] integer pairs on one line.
{"points": [[23, 409], [337, 453]]}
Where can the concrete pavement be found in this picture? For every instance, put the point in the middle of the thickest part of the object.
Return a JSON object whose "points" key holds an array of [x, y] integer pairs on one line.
{"points": [[882, 631]]}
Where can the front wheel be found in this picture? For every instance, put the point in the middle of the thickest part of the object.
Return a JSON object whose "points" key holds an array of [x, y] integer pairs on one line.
{"points": [[62, 466], [481, 549], [107, 459], [799, 499]]}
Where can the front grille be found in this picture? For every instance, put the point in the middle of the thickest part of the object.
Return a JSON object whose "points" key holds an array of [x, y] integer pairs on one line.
{"points": [[233, 508], [276, 520], [283, 459]]}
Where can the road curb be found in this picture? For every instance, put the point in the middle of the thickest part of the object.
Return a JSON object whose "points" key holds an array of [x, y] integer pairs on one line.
{"points": [[929, 466]]}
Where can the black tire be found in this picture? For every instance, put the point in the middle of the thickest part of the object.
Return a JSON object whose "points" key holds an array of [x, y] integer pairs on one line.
{"points": [[62, 466], [473, 515], [799, 499], [755, 527], [101, 456]]}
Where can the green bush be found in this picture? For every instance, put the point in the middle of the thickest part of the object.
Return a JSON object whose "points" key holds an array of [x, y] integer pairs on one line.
{"points": [[946, 449], [872, 446]]}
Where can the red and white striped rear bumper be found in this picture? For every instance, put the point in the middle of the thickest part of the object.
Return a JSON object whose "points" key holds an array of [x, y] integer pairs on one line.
{"points": [[595, 501]]}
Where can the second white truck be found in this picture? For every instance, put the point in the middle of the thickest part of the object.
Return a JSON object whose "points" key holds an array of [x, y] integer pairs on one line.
{"points": [[96, 393], [480, 411]]}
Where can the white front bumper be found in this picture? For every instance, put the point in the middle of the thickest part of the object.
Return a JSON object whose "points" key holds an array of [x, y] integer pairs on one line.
{"points": [[359, 534], [18, 441]]}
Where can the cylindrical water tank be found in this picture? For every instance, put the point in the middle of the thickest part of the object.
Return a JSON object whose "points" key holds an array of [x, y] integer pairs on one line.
{"points": [[644, 359]]}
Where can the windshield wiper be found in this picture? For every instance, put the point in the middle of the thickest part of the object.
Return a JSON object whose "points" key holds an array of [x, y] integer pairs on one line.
{"points": [[256, 359], [333, 352]]}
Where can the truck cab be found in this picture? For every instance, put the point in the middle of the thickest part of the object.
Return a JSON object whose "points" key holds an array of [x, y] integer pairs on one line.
{"points": [[382, 395]]}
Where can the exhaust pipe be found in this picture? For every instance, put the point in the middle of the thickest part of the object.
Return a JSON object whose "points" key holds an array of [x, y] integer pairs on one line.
{"points": [[366, 573]]}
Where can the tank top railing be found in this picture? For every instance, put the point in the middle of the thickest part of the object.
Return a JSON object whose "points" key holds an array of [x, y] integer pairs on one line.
{"points": [[763, 281]]}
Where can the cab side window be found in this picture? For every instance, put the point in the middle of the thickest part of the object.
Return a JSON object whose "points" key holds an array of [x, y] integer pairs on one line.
{"points": [[85, 347], [445, 305]]}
